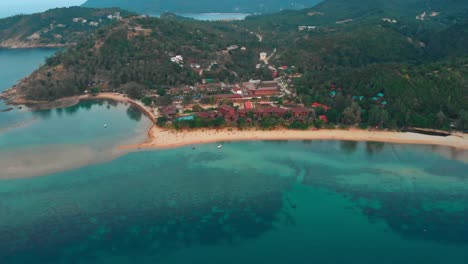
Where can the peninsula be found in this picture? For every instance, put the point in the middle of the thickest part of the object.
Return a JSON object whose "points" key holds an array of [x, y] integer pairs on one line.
{"points": [[254, 80]]}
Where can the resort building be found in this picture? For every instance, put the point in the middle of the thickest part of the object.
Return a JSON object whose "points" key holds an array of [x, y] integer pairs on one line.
{"points": [[300, 112], [264, 88], [227, 110]]}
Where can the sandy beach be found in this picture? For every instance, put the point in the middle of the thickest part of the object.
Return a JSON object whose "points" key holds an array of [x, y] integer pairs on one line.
{"points": [[167, 138], [160, 138]]}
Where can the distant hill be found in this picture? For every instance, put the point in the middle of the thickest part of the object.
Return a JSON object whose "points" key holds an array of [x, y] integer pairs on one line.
{"points": [[420, 13], [55, 27], [202, 6]]}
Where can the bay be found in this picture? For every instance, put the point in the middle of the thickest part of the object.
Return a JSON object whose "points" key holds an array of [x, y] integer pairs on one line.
{"points": [[41, 142]]}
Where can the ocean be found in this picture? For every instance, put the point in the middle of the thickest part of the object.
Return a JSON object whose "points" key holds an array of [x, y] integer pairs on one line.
{"points": [[249, 202]]}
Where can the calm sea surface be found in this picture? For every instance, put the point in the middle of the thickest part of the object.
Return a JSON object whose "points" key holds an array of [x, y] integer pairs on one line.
{"points": [[249, 202], [277, 202], [34, 143], [212, 16]]}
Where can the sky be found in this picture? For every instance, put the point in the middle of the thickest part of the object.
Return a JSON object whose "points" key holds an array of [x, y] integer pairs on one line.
{"points": [[14, 7]]}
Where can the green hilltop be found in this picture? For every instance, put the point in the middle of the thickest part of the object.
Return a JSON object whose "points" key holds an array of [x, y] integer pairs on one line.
{"points": [[396, 66]]}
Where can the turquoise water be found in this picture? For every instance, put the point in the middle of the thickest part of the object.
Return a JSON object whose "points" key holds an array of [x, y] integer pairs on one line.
{"points": [[216, 16], [212, 16], [36, 143], [186, 118], [276, 202], [14, 65]]}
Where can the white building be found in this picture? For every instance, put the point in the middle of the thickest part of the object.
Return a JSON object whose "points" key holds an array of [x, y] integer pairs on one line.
{"points": [[178, 59], [263, 56]]}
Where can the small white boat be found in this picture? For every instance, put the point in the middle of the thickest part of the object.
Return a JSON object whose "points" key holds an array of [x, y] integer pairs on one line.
{"points": [[220, 146], [105, 125]]}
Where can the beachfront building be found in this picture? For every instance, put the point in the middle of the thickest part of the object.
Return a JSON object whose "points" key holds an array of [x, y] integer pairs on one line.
{"points": [[270, 111], [169, 111], [227, 110], [300, 112]]}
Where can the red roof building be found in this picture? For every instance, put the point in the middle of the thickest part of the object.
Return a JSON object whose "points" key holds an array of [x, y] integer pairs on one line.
{"points": [[248, 105], [300, 111], [324, 118], [169, 111], [227, 110], [316, 104], [271, 111], [265, 88]]}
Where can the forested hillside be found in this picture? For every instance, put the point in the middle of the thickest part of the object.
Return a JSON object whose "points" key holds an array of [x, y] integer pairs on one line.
{"points": [[55, 27], [420, 64], [386, 63], [137, 50], [202, 6]]}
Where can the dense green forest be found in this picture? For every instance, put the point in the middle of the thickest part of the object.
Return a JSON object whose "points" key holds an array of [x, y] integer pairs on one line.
{"points": [[383, 66], [202, 6], [138, 50], [421, 66]]}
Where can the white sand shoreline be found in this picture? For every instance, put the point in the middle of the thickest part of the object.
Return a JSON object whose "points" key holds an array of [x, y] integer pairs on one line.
{"points": [[168, 138], [160, 138]]}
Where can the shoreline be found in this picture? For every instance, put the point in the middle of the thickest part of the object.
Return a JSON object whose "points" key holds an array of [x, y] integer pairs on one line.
{"points": [[25, 46], [166, 138], [160, 138]]}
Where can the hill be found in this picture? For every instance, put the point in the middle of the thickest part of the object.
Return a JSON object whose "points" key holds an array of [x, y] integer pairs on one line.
{"points": [[202, 6], [55, 27], [411, 72], [139, 50]]}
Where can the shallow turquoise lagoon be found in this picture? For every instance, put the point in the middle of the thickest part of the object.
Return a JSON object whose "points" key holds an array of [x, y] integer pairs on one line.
{"points": [[36, 143], [276, 202]]}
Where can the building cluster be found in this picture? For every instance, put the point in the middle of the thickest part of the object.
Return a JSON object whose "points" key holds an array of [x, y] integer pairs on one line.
{"points": [[178, 59], [85, 21], [260, 88], [249, 110]]}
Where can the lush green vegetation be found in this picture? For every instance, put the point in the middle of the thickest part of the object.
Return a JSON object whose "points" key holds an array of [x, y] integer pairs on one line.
{"points": [[137, 50], [419, 68], [419, 65]]}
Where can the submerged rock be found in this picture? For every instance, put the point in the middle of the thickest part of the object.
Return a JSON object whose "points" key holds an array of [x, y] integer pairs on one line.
{"points": [[6, 110]]}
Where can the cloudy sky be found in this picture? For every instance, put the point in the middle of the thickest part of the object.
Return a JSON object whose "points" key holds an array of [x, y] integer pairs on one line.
{"points": [[13, 7]]}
